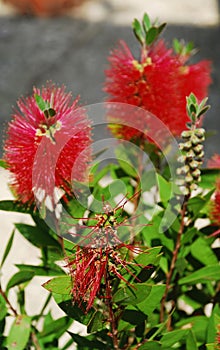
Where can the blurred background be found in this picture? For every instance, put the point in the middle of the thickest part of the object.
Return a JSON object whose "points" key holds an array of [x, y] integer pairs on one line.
{"points": [[68, 41]]}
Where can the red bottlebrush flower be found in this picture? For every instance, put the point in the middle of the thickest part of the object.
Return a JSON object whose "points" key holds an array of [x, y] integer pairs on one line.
{"points": [[215, 208], [159, 83], [43, 146], [214, 162]]}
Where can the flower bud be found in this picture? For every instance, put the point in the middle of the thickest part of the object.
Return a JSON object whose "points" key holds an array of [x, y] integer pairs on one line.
{"points": [[181, 159], [200, 132], [198, 149], [200, 155], [195, 140], [194, 164], [186, 134], [196, 173], [193, 187], [190, 154], [189, 178]]}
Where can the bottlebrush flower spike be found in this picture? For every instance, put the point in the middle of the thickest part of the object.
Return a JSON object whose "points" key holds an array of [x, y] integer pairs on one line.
{"points": [[51, 122], [158, 81]]}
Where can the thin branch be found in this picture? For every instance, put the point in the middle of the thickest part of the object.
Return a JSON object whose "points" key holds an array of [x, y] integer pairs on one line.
{"points": [[174, 258], [8, 302], [112, 320]]}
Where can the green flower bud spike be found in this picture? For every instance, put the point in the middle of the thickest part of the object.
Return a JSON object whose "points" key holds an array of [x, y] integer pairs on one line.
{"points": [[192, 147]]}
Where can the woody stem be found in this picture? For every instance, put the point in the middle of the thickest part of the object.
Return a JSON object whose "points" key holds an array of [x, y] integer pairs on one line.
{"points": [[174, 258], [109, 303]]}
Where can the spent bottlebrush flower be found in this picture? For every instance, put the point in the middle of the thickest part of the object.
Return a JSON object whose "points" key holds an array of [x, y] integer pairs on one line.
{"points": [[90, 268], [49, 133], [101, 254], [158, 82]]}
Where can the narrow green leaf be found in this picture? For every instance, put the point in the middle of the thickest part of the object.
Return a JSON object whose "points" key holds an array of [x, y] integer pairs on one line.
{"points": [[59, 285], [151, 35], [14, 206], [203, 111], [173, 337], [207, 257], [51, 270], [84, 343], [72, 310], [55, 328], [205, 274], [133, 317], [8, 248], [96, 323], [19, 278], [128, 295], [161, 28], [43, 105], [146, 22], [151, 345], [164, 189], [19, 333], [3, 308], [137, 28], [3, 164], [191, 341], [153, 300], [37, 236]]}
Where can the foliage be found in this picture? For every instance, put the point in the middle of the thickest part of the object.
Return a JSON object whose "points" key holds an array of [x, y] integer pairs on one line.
{"points": [[133, 279]]}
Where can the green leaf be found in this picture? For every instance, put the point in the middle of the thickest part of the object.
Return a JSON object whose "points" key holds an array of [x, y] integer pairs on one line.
{"points": [[72, 310], [42, 105], [55, 328], [38, 237], [128, 295], [153, 300], [203, 275], [59, 285], [198, 324], [96, 322], [151, 35], [207, 257], [19, 278], [150, 345], [209, 177], [84, 343], [211, 346], [138, 31], [3, 164], [14, 206], [191, 341], [146, 22], [133, 317], [8, 248], [127, 162], [3, 308], [164, 188], [51, 270], [19, 333], [173, 337]]}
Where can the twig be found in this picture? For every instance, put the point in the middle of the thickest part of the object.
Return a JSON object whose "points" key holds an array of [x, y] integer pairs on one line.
{"points": [[8, 302], [112, 320], [174, 258]]}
